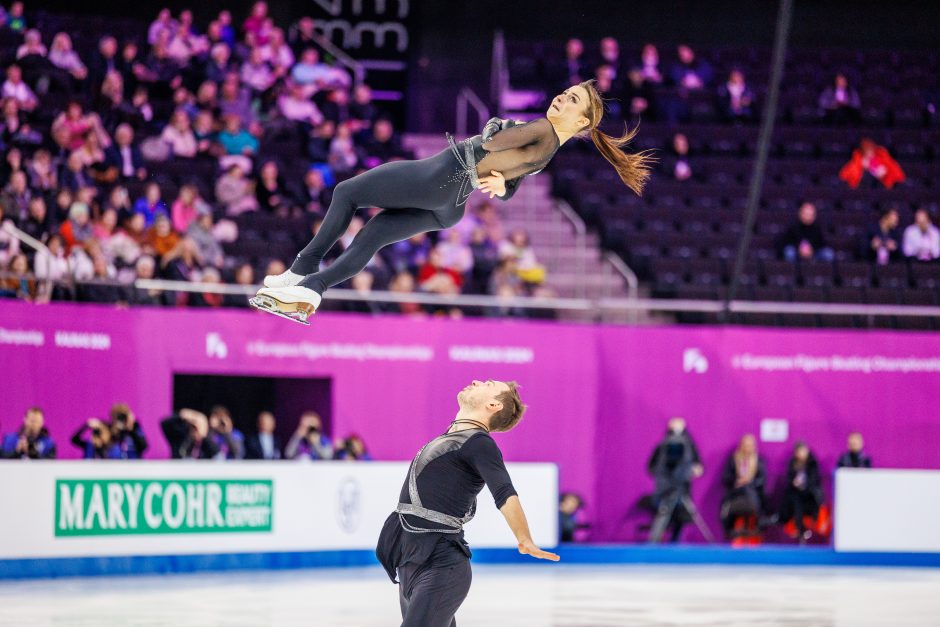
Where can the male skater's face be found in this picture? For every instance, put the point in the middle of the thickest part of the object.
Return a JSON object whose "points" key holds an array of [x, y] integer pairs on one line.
{"points": [[481, 393]]}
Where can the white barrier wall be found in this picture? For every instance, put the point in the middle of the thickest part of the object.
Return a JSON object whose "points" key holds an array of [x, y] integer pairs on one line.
{"points": [[85, 509], [887, 510]]}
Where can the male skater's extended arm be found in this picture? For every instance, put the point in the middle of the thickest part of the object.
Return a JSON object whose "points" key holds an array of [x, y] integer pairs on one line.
{"points": [[515, 517]]}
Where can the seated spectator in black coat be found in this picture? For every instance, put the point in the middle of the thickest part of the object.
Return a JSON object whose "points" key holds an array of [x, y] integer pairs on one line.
{"points": [[855, 457], [743, 478], [568, 507], [384, 144], [187, 433], [31, 441], [882, 242], [37, 223], [803, 495], [736, 98], [263, 444], [839, 103], [124, 154], [805, 239]]}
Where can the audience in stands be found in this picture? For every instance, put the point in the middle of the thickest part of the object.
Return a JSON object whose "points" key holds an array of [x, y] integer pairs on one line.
{"points": [[922, 238], [805, 238], [874, 163], [839, 103], [31, 441], [855, 456], [882, 242], [736, 100]]}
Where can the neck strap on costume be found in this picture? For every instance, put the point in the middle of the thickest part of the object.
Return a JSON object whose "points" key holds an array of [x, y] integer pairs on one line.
{"points": [[479, 425]]}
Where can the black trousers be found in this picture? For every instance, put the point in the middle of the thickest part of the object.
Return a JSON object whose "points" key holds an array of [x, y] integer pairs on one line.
{"points": [[417, 197], [431, 592]]}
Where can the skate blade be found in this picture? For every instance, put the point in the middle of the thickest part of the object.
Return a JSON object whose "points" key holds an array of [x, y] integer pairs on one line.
{"points": [[268, 305]]}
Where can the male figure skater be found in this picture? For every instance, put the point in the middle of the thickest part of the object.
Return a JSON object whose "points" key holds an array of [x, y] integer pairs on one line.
{"points": [[421, 545]]}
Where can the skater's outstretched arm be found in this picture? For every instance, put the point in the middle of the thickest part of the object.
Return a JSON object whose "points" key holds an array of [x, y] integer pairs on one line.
{"points": [[515, 517]]}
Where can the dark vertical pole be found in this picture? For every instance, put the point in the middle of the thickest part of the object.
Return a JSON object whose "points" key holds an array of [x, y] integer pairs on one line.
{"points": [[763, 144]]}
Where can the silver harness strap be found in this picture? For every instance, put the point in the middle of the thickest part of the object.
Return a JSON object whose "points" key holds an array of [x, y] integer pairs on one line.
{"points": [[468, 168], [415, 508]]}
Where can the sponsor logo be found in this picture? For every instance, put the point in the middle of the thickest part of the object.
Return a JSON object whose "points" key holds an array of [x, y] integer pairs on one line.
{"points": [[337, 350], [348, 505], [22, 337], [694, 361], [83, 341], [97, 507], [215, 346], [492, 354], [774, 430]]}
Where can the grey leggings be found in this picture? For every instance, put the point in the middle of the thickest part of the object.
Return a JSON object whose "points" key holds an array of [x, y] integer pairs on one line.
{"points": [[430, 594], [417, 197]]}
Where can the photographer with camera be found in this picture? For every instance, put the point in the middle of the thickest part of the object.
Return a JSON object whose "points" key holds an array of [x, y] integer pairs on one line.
{"points": [[352, 449], [231, 441], [187, 433], [122, 438], [675, 462], [31, 441], [308, 440]]}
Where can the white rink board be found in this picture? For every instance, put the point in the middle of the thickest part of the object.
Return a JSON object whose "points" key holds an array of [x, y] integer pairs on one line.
{"points": [[887, 510], [314, 506]]}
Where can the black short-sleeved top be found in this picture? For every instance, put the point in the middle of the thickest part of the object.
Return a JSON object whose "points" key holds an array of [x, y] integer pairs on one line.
{"points": [[451, 472]]}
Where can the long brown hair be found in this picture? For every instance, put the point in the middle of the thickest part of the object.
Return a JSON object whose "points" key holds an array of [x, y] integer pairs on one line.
{"points": [[633, 168]]}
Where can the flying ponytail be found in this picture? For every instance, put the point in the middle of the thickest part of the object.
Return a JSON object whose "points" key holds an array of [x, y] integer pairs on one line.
{"points": [[633, 168]]}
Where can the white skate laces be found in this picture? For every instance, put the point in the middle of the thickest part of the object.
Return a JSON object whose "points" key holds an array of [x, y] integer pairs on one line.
{"points": [[285, 279]]}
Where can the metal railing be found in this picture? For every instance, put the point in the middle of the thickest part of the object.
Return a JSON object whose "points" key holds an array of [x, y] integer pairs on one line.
{"points": [[467, 97], [580, 233], [598, 305]]}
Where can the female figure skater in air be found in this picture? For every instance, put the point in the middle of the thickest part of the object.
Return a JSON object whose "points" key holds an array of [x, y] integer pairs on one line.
{"points": [[430, 194]]}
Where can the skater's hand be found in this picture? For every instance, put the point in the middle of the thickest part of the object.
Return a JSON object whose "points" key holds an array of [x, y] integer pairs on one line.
{"points": [[494, 185], [529, 548]]}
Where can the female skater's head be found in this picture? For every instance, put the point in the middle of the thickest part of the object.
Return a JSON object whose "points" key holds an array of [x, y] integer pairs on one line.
{"points": [[496, 401], [580, 110]]}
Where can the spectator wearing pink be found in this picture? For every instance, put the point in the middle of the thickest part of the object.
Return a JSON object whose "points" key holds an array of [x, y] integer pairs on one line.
{"points": [[256, 73], [186, 208], [922, 239], [256, 20], [277, 53], [454, 252], [15, 88], [235, 191], [179, 135], [296, 106], [32, 45], [163, 23], [65, 58], [105, 227], [72, 126]]}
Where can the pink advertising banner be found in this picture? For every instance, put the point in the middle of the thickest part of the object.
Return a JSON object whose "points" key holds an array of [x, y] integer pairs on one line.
{"points": [[599, 396]]}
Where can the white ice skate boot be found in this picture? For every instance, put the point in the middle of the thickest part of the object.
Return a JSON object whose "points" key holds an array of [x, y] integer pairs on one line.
{"points": [[284, 279], [293, 302]]}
